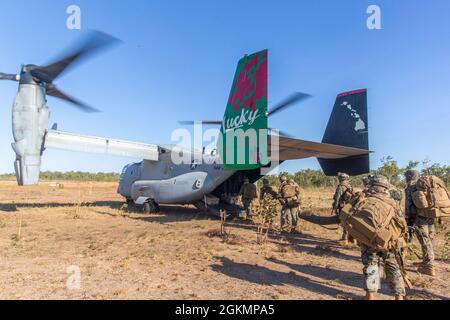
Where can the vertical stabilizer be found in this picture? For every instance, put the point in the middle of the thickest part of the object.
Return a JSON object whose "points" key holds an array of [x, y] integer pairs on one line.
{"points": [[348, 126], [244, 127]]}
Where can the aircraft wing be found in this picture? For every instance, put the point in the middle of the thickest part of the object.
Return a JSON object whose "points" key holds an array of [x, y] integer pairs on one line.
{"points": [[291, 149], [82, 143]]}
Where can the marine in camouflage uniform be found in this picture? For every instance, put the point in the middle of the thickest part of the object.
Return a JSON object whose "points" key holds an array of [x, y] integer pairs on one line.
{"points": [[371, 258], [423, 226], [342, 196], [267, 189], [289, 205], [249, 195], [394, 192]]}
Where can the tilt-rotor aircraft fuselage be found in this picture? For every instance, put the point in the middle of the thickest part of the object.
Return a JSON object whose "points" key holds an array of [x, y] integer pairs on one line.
{"points": [[217, 178]]}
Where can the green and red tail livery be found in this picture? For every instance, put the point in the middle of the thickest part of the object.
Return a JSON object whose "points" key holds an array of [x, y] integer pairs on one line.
{"points": [[243, 142]]}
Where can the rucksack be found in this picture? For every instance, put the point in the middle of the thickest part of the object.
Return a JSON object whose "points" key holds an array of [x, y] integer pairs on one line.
{"points": [[374, 222], [432, 198], [288, 191], [347, 195]]}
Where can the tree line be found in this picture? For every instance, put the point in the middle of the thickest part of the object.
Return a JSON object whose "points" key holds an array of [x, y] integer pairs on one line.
{"points": [[307, 178], [72, 176]]}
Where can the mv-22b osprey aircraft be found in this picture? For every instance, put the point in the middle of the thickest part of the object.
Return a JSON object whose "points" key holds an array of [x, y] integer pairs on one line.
{"points": [[157, 179]]}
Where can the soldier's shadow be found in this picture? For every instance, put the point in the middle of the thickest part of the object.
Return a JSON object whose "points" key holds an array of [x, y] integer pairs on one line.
{"points": [[348, 278], [265, 276]]}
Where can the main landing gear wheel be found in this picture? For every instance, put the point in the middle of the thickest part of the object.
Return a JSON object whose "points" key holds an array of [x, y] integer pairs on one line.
{"points": [[151, 207]]}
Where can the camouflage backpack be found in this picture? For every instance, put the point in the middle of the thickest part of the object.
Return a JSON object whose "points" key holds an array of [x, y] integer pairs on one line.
{"points": [[288, 191], [432, 198], [348, 193], [374, 222]]}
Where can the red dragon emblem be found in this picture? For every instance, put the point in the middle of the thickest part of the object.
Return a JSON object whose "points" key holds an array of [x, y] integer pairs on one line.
{"points": [[251, 83]]}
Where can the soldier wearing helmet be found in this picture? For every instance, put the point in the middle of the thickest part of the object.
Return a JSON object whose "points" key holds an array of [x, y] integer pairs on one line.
{"points": [[248, 195], [342, 196], [423, 226], [379, 181], [289, 197], [393, 263], [367, 182]]}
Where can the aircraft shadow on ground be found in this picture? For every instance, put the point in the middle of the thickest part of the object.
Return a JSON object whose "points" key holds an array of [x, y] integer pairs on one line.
{"points": [[11, 207], [268, 277], [170, 214]]}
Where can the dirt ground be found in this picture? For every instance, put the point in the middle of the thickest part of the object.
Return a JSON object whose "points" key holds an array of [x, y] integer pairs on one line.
{"points": [[48, 233]]}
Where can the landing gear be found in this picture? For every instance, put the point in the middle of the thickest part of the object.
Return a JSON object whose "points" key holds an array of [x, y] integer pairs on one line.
{"points": [[150, 207]]}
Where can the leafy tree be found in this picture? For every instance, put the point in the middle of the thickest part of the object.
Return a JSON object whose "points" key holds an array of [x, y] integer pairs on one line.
{"points": [[390, 169], [411, 165]]}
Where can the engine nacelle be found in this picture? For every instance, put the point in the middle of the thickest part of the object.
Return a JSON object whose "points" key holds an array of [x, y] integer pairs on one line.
{"points": [[29, 123]]}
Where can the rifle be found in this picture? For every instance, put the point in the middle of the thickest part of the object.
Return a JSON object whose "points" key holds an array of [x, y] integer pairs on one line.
{"points": [[401, 263], [411, 232]]}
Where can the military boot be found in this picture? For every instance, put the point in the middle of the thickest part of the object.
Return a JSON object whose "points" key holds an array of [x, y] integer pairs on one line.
{"points": [[427, 270], [370, 295]]}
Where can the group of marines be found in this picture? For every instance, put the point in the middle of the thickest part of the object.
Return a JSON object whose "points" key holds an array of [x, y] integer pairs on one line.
{"points": [[345, 198], [288, 194]]}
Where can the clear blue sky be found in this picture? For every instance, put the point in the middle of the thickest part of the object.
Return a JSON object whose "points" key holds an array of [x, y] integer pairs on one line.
{"points": [[178, 60]]}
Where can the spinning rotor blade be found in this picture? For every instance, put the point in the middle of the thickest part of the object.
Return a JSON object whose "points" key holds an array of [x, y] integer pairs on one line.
{"points": [[8, 76], [280, 133], [93, 44], [289, 101], [213, 122], [53, 91]]}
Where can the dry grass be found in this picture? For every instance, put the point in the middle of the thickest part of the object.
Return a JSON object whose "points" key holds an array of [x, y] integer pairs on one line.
{"points": [[176, 254]]}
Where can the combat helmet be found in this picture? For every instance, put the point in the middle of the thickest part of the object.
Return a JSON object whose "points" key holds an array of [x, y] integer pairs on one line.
{"points": [[265, 182], [367, 181], [343, 176], [283, 178], [246, 180], [412, 175], [380, 181]]}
